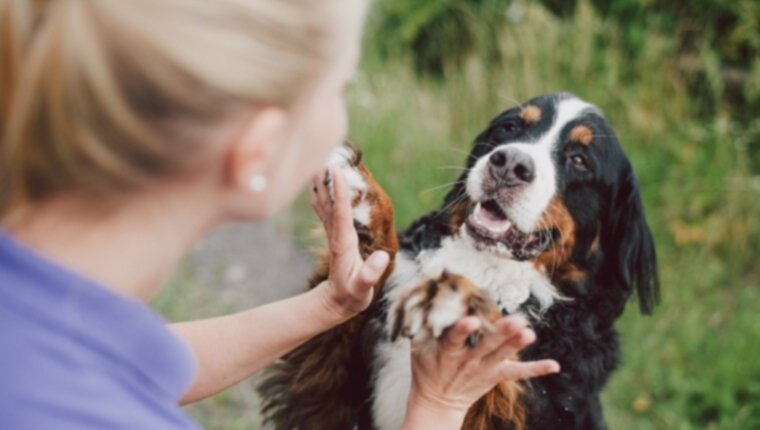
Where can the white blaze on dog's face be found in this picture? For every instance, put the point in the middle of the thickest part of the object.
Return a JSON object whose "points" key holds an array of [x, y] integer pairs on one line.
{"points": [[514, 179], [525, 201]]}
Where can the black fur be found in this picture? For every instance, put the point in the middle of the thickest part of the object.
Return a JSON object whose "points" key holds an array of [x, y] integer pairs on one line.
{"points": [[606, 206], [613, 249]]}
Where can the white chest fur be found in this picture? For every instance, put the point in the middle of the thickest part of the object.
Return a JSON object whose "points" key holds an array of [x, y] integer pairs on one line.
{"points": [[510, 282]]}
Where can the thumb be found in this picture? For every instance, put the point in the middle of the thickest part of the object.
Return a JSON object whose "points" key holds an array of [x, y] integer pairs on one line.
{"points": [[373, 269]]}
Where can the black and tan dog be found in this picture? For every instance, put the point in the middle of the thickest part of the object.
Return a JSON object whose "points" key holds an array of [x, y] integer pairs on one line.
{"points": [[546, 221]]}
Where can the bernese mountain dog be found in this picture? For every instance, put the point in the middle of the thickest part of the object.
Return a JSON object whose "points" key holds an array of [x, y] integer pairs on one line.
{"points": [[546, 220]]}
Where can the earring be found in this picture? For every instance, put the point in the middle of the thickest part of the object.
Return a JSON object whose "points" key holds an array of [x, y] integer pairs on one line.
{"points": [[257, 183]]}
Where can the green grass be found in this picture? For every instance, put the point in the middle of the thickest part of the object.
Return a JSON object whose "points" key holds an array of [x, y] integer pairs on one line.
{"points": [[696, 362]]}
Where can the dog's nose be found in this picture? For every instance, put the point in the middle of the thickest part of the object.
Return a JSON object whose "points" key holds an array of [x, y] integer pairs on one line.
{"points": [[512, 166]]}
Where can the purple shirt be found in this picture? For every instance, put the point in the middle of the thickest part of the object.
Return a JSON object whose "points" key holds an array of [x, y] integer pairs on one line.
{"points": [[74, 355]]}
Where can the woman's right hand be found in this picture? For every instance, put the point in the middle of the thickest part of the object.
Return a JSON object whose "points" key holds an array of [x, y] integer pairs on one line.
{"points": [[448, 379]]}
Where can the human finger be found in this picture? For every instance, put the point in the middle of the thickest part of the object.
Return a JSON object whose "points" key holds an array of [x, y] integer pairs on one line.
{"points": [[343, 238], [454, 341], [511, 346], [371, 271], [516, 370], [503, 330]]}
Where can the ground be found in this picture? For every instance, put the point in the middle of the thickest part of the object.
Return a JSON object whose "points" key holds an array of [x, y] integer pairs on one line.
{"points": [[235, 268]]}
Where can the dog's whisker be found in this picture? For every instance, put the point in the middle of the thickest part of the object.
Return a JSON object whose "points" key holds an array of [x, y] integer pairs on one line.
{"points": [[458, 199], [459, 168], [450, 184], [511, 99], [468, 154]]}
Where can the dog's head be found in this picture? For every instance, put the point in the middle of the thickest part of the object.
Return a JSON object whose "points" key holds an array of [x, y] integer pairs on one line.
{"points": [[548, 182]]}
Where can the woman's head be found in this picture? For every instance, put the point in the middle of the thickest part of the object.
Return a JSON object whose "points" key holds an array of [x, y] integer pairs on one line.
{"points": [[107, 98]]}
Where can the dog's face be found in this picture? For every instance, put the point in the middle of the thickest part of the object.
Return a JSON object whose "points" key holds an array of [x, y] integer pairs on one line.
{"points": [[548, 182]]}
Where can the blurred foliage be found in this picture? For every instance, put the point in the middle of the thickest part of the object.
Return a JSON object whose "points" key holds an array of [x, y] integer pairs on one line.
{"points": [[717, 41], [439, 33], [714, 45]]}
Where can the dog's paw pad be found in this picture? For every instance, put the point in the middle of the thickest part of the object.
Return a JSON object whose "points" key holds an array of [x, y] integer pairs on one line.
{"points": [[427, 311]]}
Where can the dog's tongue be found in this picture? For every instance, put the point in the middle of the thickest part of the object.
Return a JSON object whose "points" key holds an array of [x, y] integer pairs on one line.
{"points": [[490, 221]]}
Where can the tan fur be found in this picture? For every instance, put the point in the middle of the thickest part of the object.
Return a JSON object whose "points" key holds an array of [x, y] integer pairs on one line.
{"points": [[501, 407], [458, 212], [555, 262], [531, 114], [581, 134]]}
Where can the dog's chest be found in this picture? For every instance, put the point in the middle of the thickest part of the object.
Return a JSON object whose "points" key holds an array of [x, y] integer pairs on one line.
{"points": [[510, 282]]}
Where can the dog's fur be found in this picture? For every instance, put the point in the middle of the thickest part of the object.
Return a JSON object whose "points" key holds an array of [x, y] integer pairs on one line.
{"points": [[552, 227]]}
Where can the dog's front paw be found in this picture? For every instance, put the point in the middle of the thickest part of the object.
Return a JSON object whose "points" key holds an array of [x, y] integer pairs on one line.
{"points": [[425, 312], [347, 158], [371, 208]]}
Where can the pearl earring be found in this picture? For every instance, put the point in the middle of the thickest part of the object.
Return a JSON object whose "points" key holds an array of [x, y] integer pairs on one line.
{"points": [[257, 183]]}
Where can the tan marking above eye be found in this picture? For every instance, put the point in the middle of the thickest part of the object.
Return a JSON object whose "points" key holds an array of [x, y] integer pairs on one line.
{"points": [[531, 114], [581, 134]]}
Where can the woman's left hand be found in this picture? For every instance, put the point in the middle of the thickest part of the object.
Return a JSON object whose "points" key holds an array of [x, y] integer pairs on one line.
{"points": [[348, 289]]}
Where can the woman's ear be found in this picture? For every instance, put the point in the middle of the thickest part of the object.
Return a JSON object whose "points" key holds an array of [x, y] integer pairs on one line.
{"points": [[251, 155], [630, 253]]}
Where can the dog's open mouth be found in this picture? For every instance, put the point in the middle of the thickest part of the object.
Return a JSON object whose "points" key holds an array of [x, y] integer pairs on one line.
{"points": [[490, 226]]}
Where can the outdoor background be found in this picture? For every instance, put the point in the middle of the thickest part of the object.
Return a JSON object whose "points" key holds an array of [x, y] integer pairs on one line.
{"points": [[680, 82]]}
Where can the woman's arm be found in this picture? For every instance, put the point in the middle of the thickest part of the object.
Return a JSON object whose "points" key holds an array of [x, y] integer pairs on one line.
{"points": [[231, 348]]}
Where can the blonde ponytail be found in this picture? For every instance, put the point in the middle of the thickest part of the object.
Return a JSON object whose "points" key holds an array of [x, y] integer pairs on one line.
{"points": [[104, 97], [16, 21]]}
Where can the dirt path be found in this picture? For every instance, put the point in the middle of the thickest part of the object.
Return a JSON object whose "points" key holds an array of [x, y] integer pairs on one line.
{"points": [[250, 264]]}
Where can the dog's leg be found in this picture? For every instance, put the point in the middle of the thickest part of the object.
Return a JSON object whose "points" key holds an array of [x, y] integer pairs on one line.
{"points": [[425, 312], [324, 383]]}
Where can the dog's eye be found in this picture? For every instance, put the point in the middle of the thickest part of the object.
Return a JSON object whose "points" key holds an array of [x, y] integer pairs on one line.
{"points": [[579, 161], [510, 127], [505, 130]]}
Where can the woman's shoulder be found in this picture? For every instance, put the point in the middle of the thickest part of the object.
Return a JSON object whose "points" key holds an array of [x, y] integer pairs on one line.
{"points": [[66, 344]]}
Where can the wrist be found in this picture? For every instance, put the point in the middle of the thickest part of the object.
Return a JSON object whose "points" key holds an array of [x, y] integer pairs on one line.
{"points": [[424, 409], [333, 313]]}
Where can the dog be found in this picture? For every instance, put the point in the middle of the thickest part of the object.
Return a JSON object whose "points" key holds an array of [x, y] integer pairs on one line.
{"points": [[546, 221]]}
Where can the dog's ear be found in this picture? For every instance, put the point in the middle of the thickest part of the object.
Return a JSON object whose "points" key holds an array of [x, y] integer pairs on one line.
{"points": [[630, 253]]}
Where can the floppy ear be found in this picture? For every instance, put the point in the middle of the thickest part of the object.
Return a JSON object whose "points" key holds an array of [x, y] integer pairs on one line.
{"points": [[630, 253]]}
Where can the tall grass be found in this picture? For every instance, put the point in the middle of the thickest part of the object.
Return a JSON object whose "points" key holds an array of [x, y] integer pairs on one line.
{"points": [[696, 362]]}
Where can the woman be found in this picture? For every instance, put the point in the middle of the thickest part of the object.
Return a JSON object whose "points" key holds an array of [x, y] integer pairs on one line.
{"points": [[129, 130]]}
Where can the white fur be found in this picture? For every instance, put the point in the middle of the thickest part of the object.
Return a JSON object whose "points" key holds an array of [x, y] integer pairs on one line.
{"points": [[392, 384], [341, 158], [362, 213], [448, 310], [510, 282], [527, 209]]}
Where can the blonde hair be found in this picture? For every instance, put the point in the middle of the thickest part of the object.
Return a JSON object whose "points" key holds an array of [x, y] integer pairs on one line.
{"points": [[108, 96]]}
